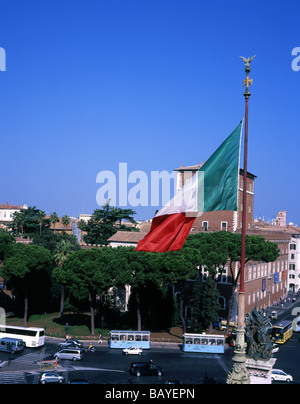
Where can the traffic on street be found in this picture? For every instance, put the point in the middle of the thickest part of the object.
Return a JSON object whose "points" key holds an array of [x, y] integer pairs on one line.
{"points": [[83, 362]]}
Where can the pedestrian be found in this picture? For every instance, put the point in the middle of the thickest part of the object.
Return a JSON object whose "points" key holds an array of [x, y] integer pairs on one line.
{"points": [[100, 338]]}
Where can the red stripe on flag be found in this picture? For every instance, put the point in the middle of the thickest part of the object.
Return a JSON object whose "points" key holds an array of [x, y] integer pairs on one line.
{"points": [[167, 233]]}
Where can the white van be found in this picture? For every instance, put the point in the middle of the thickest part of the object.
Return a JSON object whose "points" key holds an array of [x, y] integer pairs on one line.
{"points": [[11, 345], [71, 354]]}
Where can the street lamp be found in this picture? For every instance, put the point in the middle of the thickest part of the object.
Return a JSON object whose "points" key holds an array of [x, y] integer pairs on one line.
{"points": [[239, 373]]}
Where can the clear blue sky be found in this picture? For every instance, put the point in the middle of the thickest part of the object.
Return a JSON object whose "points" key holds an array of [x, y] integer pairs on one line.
{"points": [[153, 83]]}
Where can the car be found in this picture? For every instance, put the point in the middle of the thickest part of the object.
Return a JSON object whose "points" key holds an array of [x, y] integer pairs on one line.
{"points": [[280, 376], [133, 350], [51, 378], [70, 343], [145, 369], [69, 353], [275, 348]]}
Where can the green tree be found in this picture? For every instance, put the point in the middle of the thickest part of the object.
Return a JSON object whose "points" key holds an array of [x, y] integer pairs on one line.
{"points": [[62, 250], [49, 240], [104, 223], [54, 219], [87, 272], [218, 248], [18, 222], [143, 270], [29, 222], [21, 262], [41, 215], [206, 306], [65, 220], [5, 240]]}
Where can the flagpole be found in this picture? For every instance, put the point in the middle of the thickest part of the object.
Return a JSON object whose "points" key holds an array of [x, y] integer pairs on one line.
{"points": [[239, 373]]}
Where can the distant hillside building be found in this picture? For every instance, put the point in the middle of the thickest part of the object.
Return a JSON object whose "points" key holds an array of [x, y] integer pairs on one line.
{"points": [[7, 211]]}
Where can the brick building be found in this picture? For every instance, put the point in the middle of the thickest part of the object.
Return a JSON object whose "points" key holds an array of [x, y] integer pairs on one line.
{"points": [[265, 283], [225, 219]]}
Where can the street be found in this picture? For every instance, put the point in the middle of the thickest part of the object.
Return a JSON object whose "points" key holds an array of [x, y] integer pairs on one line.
{"points": [[105, 366], [109, 366]]}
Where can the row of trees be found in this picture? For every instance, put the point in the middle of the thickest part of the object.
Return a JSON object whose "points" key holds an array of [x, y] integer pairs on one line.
{"points": [[28, 222], [102, 225], [87, 274]]}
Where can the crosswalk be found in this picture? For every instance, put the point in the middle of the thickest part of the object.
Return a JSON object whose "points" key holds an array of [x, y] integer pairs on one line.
{"points": [[13, 378], [31, 358]]}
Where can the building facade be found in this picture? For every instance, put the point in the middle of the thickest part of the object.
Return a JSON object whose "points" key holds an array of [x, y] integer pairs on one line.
{"points": [[294, 264], [265, 283], [221, 220], [7, 211]]}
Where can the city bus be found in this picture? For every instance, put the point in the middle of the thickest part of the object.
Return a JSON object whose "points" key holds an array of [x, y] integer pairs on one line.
{"points": [[205, 343], [282, 331], [31, 336], [127, 339]]}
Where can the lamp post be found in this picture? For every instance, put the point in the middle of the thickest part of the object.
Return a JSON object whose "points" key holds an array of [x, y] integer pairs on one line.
{"points": [[239, 373]]}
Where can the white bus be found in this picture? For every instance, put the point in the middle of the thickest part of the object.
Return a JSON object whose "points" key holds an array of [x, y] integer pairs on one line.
{"points": [[32, 337]]}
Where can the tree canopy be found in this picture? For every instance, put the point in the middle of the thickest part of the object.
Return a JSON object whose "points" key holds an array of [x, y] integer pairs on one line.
{"points": [[104, 223], [21, 263]]}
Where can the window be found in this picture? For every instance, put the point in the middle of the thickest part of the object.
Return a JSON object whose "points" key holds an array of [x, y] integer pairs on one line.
{"points": [[292, 246], [205, 225], [254, 271], [224, 226], [222, 302], [249, 272]]}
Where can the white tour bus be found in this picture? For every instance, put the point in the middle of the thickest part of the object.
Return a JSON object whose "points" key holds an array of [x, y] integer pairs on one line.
{"points": [[32, 337]]}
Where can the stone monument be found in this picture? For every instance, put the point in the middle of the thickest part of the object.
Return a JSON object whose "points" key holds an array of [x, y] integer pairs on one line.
{"points": [[259, 361]]}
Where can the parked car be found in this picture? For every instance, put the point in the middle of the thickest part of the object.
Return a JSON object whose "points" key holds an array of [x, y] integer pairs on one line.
{"points": [[70, 343], [51, 378], [281, 376], [133, 350], [69, 353], [275, 348], [145, 369]]}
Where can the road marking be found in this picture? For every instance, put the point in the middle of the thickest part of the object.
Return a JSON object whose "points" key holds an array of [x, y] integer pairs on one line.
{"points": [[99, 369]]}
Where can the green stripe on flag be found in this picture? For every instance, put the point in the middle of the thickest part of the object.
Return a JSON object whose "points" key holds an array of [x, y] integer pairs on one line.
{"points": [[218, 177]]}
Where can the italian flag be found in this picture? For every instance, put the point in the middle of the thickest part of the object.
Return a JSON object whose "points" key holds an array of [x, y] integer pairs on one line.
{"points": [[214, 187]]}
